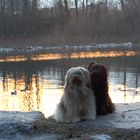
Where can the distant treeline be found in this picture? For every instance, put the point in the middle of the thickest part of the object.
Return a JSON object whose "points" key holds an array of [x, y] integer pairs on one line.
{"points": [[78, 21]]}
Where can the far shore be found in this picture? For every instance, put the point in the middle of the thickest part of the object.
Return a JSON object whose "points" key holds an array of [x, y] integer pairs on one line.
{"points": [[38, 53]]}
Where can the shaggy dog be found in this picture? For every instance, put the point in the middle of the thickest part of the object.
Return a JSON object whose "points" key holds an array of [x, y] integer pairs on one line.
{"points": [[78, 101], [99, 83]]}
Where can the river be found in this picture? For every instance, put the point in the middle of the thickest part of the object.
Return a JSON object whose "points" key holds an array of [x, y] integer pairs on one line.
{"points": [[38, 85]]}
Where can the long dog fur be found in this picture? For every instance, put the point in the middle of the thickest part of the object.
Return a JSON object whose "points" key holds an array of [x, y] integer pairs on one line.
{"points": [[99, 82], [78, 100]]}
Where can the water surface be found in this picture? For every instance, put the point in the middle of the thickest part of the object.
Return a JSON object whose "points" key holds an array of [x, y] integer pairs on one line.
{"points": [[38, 85]]}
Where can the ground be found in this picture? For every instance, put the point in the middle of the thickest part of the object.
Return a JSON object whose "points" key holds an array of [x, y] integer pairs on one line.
{"points": [[124, 124]]}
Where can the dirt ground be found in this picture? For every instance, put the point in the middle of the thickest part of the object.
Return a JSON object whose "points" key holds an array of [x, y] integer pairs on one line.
{"points": [[83, 131]]}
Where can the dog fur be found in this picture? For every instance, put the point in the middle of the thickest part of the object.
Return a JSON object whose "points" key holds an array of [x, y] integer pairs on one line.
{"points": [[99, 83], [78, 101]]}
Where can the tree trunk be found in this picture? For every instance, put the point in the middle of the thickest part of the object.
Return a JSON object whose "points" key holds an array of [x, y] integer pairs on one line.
{"points": [[122, 4], [106, 5], [86, 6], [66, 8], [83, 6], [76, 7]]}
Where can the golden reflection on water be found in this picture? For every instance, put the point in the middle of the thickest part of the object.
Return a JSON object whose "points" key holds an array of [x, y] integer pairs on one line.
{"points": [[75, 55], [29, 95], [43, 95], [14, 58]]}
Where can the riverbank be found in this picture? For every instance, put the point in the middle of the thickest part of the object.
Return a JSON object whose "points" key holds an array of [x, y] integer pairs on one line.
{"points": [[43, 53], [124, 124]]}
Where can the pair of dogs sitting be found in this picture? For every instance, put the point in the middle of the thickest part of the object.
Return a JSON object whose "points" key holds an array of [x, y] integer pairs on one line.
{"points": [[85, 94]]}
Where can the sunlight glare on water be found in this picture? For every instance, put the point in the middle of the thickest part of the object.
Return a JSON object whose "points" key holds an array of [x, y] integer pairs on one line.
{"points": [[74, 55]]}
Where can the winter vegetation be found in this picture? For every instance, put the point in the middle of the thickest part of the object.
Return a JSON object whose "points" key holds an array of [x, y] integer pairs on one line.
{"points": [[69, 22]]}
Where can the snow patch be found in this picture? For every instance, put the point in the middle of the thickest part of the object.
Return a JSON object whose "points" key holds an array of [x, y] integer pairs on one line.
{"points": [[125, 116], [67, 47], [101, 137], [13, 121], [6, 49]]}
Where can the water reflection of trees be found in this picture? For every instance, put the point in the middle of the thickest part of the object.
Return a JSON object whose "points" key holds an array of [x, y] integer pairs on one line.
{"points": [[134, 78], [32, 80], [125, 74], [26, 83], [5, 81]]}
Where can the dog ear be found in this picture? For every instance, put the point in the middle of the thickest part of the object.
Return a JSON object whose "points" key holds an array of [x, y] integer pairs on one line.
{"points": [[67, 78], [90, 65]]}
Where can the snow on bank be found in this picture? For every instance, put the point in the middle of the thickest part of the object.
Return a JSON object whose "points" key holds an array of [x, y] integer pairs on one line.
{"points": [[128, 45], [13, 122], [101, 137], [126, 116], [107, 46]]}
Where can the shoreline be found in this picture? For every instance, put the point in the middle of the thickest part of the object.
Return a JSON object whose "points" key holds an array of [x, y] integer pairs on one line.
{"points": [[40, 53]]}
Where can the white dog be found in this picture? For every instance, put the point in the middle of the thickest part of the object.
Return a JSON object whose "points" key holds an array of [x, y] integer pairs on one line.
{"points": [[78, 101]]}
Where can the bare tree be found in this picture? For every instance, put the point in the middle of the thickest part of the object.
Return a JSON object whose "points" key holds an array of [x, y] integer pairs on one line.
{"points": [[2, 17], [106, 5], [97, 20], [76, 7], [122, 4], [34, 7], [67, 12]]}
